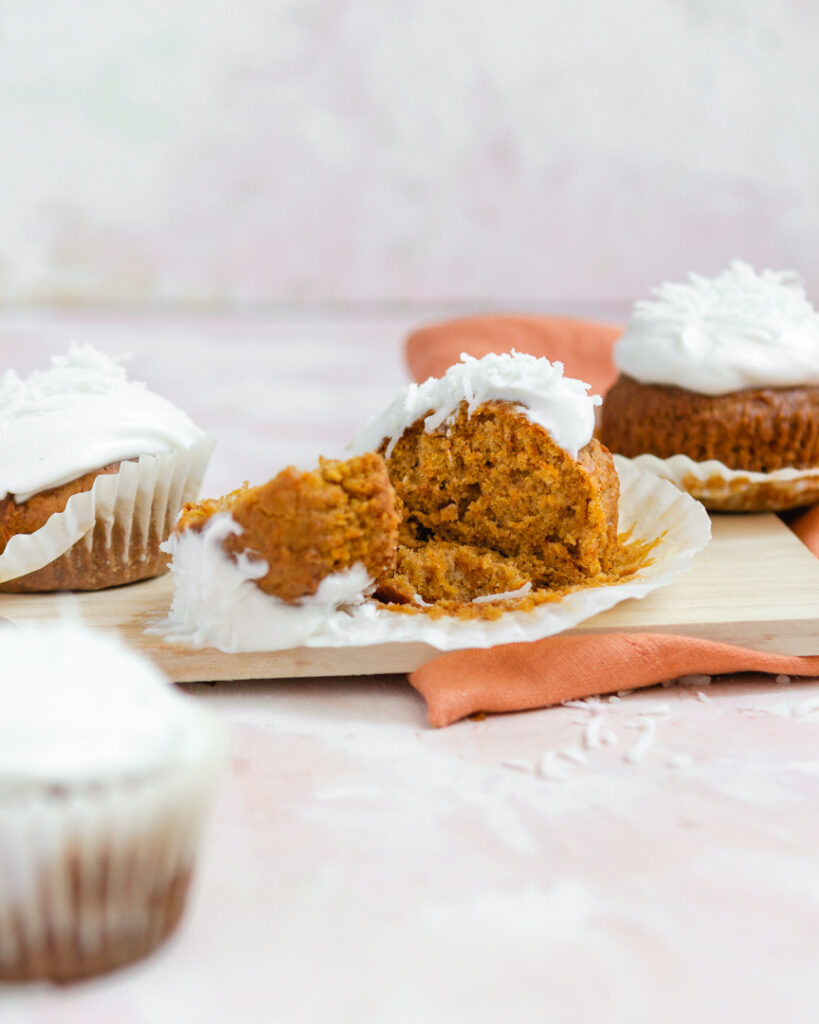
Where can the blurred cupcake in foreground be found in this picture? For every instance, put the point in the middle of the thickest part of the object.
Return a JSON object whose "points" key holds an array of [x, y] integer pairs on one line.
{"points": [[94, 469], [106, 773], [719, 389]]}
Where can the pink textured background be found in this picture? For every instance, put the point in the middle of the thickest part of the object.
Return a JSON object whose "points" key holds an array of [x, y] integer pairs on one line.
{"points": [[304, 151]]}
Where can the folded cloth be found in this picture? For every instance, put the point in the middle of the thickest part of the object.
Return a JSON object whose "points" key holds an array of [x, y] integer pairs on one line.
{"points": [[518, 677], [584, 348]]}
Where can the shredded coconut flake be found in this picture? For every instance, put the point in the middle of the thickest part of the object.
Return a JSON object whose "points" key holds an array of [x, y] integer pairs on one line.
{"points": [[591, 734], [643, 744], [575, 755], [694, 680], [548, 769], [661, 711], [592, 704]]}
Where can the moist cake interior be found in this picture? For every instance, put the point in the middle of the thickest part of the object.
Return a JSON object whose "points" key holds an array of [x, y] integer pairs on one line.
{"points": [[489, 503]]}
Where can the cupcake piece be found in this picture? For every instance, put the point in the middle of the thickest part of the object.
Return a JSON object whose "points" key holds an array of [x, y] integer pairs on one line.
{"points": [[501, 486], [93, 471], [719, 381], [106, 773], [262, 567]]}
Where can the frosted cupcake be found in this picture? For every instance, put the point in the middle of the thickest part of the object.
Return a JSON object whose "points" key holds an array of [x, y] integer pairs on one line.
{"points": [[106, 773], [93, 471], [719, 389]]}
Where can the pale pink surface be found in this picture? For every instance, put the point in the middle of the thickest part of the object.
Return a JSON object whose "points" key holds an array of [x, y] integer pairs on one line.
{"points": [[276, 152], [361, 867]]}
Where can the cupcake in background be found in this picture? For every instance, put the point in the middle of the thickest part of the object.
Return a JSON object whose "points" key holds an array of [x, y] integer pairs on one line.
{"points": [[106, 774], [94, 469], [719, 389]]}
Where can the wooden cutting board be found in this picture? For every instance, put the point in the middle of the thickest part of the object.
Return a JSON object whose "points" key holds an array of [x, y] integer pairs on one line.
{"points": [[755, 585]]}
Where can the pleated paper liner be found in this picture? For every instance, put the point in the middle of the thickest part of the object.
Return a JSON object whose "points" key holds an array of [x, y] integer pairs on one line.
{"points": [[111, 533], [736, 490], [652, 510], [95, 875]]}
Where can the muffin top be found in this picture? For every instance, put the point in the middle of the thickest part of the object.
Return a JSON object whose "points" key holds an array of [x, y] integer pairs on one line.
{"points": [[561, 405], [80, 707], [79, 415], [740, 329]]}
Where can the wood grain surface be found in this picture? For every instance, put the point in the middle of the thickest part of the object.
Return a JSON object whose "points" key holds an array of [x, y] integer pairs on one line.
{"points": [[755, 585]]}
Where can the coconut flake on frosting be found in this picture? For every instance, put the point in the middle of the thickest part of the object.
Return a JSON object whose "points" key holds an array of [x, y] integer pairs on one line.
{"points": [[737, 330], [561, 405], [77, 416], [83, 707], [217, 604]]}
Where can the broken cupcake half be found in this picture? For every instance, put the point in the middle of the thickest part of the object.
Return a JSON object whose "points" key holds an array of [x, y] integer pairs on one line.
{"points": [[470, 495]]}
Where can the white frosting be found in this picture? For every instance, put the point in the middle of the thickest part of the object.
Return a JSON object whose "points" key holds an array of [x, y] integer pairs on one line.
{"points": [[737, 330], [561, 405], [77, 416], [80, 706], [216, 603]]}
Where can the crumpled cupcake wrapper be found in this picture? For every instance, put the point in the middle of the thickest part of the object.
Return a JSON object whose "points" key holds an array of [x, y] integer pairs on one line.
{"points": [[650, 507], [143, 498], [736, 490], [94, 876]]}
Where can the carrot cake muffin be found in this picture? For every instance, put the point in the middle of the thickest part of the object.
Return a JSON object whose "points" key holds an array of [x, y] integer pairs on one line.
{"points": [[723, 369], [106, 775], [487, 493], [93, 471], [500, 484], [290, 552]]}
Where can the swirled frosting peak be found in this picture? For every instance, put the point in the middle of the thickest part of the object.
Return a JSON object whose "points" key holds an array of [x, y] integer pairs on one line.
{"points": [[561, 405], [79, 415], [740, 329]]}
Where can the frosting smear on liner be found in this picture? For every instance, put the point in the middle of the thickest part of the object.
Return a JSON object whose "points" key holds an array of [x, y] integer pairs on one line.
{"points": [[79, 415], [740, 329], [216, 602]]}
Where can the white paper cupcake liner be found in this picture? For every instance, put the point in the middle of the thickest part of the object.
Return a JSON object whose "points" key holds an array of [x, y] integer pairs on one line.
{"points": [[651, 508], [93, 876], [142, 498], [736, 490]]}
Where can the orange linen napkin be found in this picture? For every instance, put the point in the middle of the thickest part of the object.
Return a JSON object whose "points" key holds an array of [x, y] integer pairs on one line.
{"points": [[584, 348], [518, 677]]}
